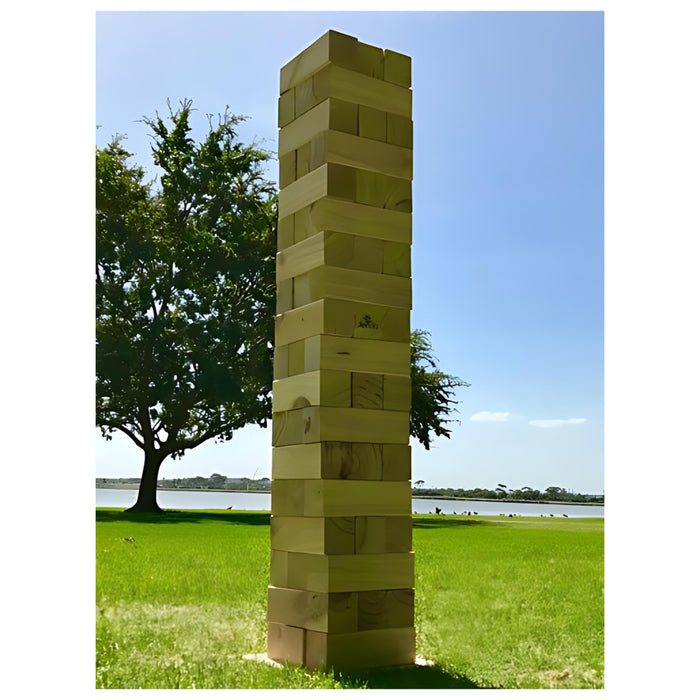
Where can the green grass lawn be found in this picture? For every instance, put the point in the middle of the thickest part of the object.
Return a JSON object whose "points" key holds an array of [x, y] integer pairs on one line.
{"points": [[500, 603]]}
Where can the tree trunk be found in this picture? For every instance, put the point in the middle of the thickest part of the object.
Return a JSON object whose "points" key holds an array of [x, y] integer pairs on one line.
{"points": [[146, 501]]}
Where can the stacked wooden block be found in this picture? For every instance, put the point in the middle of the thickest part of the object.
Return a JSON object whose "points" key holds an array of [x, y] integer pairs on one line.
{"points": [[341, 571]]}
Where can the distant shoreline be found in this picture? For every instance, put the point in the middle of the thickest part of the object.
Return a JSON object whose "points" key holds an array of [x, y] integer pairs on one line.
{"points": [[134, 487]]}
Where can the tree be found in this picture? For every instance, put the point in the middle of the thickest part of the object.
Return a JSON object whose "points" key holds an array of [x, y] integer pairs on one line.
{"points": [[184, 291], [185, 294], [431, 391]]}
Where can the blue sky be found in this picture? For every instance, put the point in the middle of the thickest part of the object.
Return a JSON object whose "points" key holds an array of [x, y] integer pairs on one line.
{"points": [[508, 252]]}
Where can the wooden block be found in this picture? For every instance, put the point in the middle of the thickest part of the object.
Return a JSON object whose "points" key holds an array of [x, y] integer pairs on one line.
{"points": [[396, 462], [304, 97], [343, 84], [296, 353], [367, 390], [361, 355], [297, 461], [344, 216], [369, 60], [388, 609], [359, 650], [285, 296], [399, 130], [316, 535], [353, 285], [369, 321], [281, 362], [336, 461], [298, 324], [334, 249], [339, 498], [366, 461], [319, 388], [380, 534], [329, 573], [344, 318], [342, 116], [396, 259], [371, 123], [322, 612], [285, 232], [305, 190], [397, 393], [285, 643], [303, 160], [288, 168], [397, 68], [360, 152], [285, 108], [378, 190], [306, 126], [308, 61]]}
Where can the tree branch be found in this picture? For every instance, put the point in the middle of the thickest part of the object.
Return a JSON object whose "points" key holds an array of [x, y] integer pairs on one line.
{"points": [[126, 431]]}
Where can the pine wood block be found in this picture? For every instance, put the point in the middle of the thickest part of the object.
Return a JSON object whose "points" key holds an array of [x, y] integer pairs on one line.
{"points": [[334, 249], [367, 390], [361, 152], [366, 462], [371, 123], [316, 535], [322, 612], [339, 498], [396, 259], [397, 68], [305, 190], [343, 84], [399, 130], [380, 534], [396, 462], [296, 353], [285, 108], [319, 388], [396, 393], [342, 116], [306, 126], [328, 423], [378, 190], [341, 317], [285, 643], [288, 168], [354, 285], [285, 296], [330, 573], [280, 362], [349, 217], [388, 609], [285, 232], [360, 355], [368, 60], [328, 460], [366, 649], [303, 154], [305, 63]]}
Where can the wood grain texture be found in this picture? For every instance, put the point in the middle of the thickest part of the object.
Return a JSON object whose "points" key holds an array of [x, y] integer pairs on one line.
{"points": [[285, 643], [314, 534], [366, 649], [322, 612]]}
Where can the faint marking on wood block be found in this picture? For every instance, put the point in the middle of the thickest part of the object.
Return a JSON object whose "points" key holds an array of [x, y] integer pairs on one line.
{"points": [[372, 123], [385, 609], [319, 388], [367, 390], [397, 393], [316, 535], [397, 259], [397, 68], [396, 462], [399, 130]]}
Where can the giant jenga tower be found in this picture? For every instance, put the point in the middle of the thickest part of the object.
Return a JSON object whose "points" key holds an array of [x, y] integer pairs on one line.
{"points": [[341, 570]]}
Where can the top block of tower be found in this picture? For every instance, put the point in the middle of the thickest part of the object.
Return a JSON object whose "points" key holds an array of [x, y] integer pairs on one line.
{"points": [[347, 52]]}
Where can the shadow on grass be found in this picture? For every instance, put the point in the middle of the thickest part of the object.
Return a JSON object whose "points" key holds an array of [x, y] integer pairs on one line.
{"points": [[436, 521], [407, 677], [176, 517]]}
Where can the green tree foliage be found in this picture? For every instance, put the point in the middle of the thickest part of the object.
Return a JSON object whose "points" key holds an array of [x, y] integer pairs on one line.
{"points": [[431, 391], [185, 291]]}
